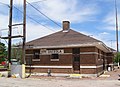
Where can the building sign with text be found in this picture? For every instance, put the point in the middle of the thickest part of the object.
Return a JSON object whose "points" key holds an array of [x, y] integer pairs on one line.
{"points": [[44, 51]]}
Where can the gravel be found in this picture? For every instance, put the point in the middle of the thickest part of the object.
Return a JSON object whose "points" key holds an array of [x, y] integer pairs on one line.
{"points": [[43, 81]]}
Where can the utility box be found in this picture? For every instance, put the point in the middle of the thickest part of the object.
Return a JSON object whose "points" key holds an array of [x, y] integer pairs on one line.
{"points": [[18, 70], [109, 68]]}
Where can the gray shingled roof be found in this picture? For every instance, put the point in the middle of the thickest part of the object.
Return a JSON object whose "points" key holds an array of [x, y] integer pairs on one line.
{"points": [[63, 38]]}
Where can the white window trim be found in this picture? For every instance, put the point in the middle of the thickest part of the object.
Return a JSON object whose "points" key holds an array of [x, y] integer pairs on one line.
{"points": [[35, 59], [54, 59]]}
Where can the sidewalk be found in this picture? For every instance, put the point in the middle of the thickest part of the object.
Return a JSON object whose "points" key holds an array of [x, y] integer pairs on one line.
{"points": [[112, 75]]}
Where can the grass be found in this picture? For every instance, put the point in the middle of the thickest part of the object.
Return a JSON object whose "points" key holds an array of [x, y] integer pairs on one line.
{"points": [[1, 67]]}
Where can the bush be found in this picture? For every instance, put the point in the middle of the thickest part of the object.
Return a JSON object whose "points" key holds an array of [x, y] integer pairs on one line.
{"points": [[117, 58]]}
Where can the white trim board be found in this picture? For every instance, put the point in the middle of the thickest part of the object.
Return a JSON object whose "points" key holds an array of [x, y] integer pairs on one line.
{"points": [[89, 67], [65, 53], [50, 66], [88, 53], [82, 67]]}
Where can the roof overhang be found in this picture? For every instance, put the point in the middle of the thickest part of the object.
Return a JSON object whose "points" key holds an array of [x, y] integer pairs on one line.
{"points": [[103, 47], [99, 45]]}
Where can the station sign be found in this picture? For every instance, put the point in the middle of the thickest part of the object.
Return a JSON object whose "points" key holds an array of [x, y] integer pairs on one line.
{"points": [[45, 51]]}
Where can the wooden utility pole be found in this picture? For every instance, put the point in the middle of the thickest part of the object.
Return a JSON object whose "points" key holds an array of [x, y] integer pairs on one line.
{"points": [[24, 33], [117, 32], [10, 31], [10, 36]]}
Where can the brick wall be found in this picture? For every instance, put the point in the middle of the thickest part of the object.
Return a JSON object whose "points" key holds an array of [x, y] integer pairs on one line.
{"points": [[89, 56], [44, 70]]}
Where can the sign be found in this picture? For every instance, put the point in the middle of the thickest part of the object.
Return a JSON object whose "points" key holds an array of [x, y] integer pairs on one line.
{"points": [[44, 51]]}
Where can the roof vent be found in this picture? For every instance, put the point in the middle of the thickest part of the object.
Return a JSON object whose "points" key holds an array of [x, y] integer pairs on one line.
{"points": [[66, 26]]}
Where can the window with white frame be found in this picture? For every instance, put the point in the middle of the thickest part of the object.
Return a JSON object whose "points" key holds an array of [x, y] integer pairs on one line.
{"points": [[55, 57]]}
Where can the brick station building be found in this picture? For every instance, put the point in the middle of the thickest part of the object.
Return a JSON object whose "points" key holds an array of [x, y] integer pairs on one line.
{"points": [[68, 51]]}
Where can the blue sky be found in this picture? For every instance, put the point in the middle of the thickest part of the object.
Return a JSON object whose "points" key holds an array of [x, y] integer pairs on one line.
{"points": [[95, 18]]}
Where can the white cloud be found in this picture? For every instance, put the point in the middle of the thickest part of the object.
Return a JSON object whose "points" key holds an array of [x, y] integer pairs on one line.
{"points": [[109, 27], [5, 1], [104, 33], [33, 30], [105, 37], [110, 21], [3, 21], [36, 31], [60, 10], [18, 2]]}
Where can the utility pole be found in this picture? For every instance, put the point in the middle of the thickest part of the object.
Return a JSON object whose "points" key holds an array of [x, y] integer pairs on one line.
{"points": [[117, 32], [24, 33], [111, 42], [10, 31], [9, 36], [18, 36]]}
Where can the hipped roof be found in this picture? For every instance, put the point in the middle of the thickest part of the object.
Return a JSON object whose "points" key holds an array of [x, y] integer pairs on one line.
{"points": [[70, 38]]}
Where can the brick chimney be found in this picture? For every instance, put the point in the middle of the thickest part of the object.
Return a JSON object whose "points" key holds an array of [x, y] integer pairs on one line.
{"points": [[66, 25]]}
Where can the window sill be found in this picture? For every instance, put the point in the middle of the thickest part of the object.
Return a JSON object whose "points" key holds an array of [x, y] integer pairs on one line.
{"points": [[35, 59], [54, 59]]}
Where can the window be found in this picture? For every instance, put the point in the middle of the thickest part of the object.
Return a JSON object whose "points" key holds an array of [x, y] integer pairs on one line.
{"points": [[76, 50], [54, 57], [36, 56], [99, 56], [76, 58]]}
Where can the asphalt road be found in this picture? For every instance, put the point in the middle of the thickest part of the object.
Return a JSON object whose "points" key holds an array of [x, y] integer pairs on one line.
{"points": [[56, 82]]}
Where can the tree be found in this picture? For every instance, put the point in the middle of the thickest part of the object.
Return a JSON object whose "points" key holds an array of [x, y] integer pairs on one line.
{"points": [[3, 52], [16, 52], [117, 58]]}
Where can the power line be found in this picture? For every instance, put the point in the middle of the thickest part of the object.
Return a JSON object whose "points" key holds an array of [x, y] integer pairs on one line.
{"points": [[39, 1], [6, 41], [33, 19], [28, 16], [5, 4], [43, 14], [7, 28]]}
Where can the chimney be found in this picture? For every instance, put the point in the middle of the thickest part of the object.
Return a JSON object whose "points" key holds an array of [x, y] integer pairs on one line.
{"points": [[66, 25]]}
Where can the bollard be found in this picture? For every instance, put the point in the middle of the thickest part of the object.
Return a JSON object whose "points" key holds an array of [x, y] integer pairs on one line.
{"points": [[49, 72]]}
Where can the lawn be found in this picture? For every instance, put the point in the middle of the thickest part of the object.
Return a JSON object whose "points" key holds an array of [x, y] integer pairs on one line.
{"points": [[1, 67]]}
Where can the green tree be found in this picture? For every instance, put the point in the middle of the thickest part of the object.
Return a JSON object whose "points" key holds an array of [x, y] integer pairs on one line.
{"points": [[117, 58], [3, 52], [16, 52]]}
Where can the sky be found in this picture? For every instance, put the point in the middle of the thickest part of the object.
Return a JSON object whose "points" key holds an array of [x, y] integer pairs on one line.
{"points": [[95, 18]]}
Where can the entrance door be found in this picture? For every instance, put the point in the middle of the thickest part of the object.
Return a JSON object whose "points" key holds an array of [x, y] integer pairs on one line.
{"points": [[76, 60]]}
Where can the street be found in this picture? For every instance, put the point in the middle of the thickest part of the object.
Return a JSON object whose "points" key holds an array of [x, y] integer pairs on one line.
{"points": [[57, 82]]}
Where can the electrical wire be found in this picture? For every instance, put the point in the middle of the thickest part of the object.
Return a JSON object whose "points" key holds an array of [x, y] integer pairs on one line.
{"points": [[33, 19], [7, 28], [38, 1], [28, 16], [6, 41], [5, 4], [43, 14]]}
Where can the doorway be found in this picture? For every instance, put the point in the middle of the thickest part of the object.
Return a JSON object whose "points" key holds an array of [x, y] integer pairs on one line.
{"points": [[76, 60]]}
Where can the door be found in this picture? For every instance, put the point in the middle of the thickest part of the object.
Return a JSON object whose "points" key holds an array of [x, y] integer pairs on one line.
{"points": [[76, 60]]}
